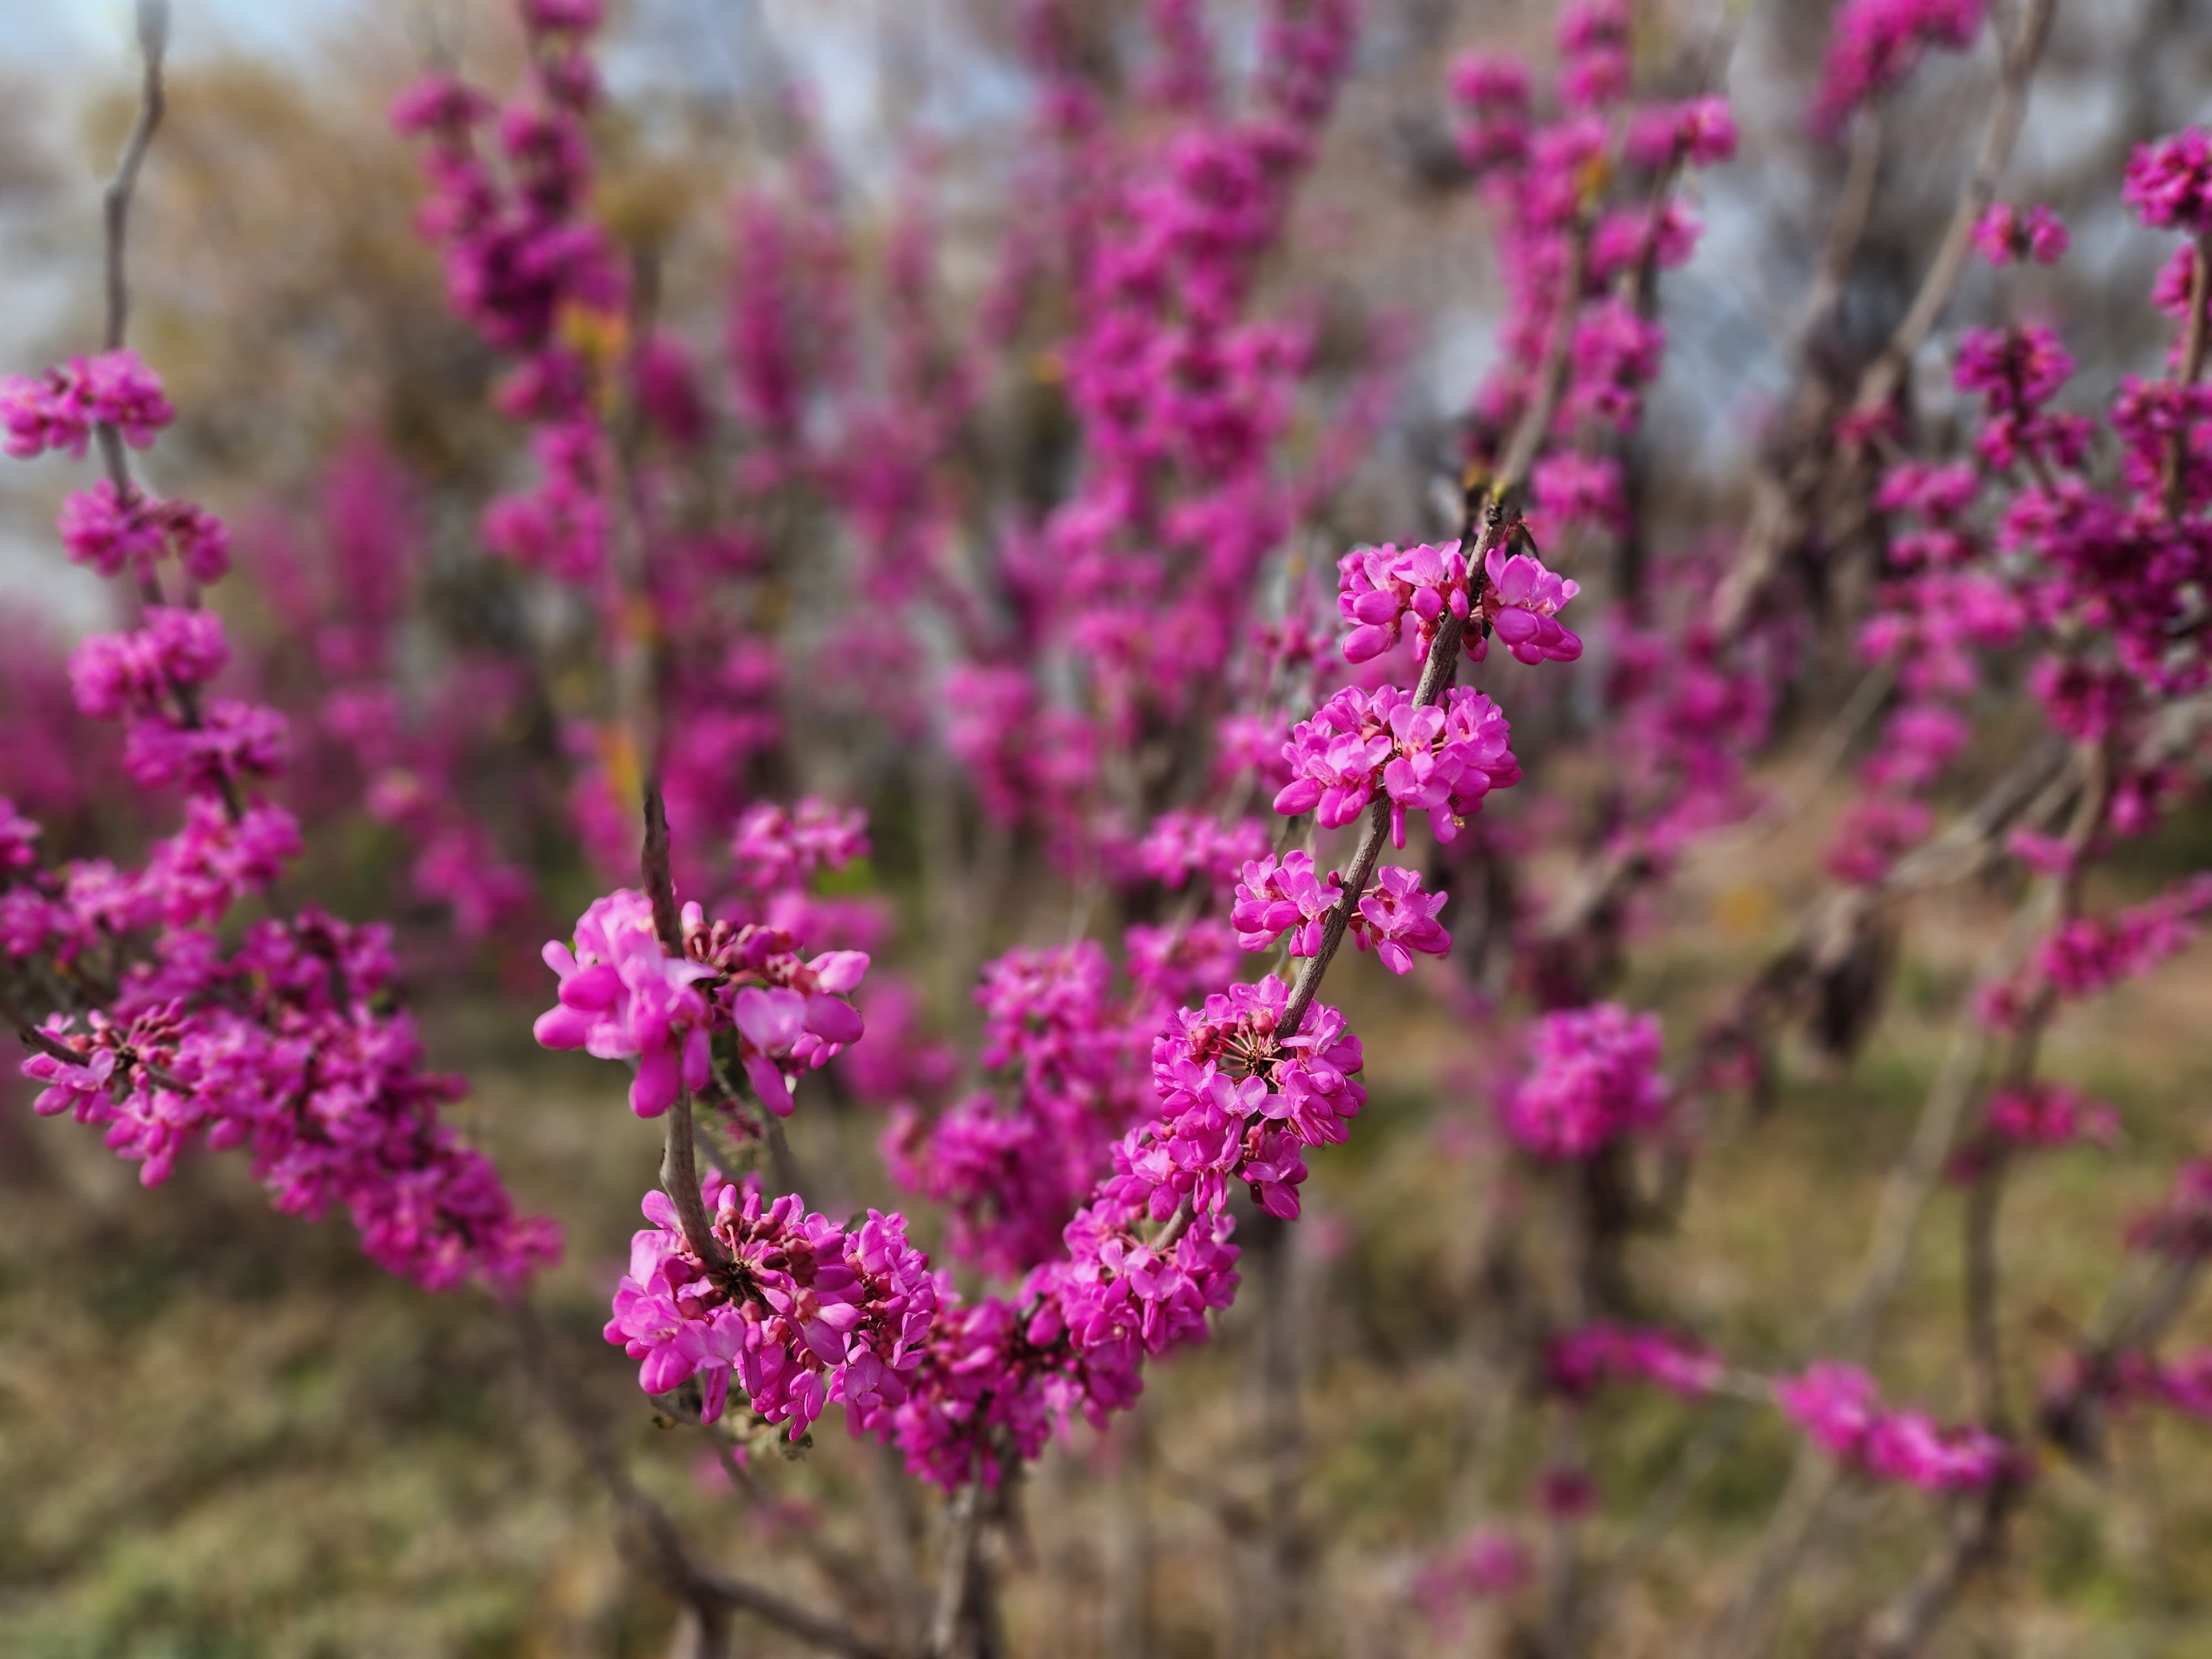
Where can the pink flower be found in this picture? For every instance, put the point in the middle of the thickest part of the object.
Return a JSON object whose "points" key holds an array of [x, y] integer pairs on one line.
{"points": [[441, 104], [1395, 918], [1837, 1405], [1567, 488], [1379, 589], [774, 851], [1183, 845], [1908, 1446], [811, 1312], [1702, 132], [58, 411], [1876, 43], [2017, 370], [1274, 898], [1336, 758], [17, 837], [1595, 1078], [100, 530], [1484, 1566], [2169, 182], [1521, 603], [2039, 1115], [1581, 1360], [623, 996], [2007, 234], [120, 675]]}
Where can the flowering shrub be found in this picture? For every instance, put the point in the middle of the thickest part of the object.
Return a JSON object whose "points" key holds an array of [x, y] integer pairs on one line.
{"points": [[851, 732]]}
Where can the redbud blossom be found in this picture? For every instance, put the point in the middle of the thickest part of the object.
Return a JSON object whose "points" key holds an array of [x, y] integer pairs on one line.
{"points": [[803, 1313], [1594, 1078], [2169, 182], [2007, 236]]}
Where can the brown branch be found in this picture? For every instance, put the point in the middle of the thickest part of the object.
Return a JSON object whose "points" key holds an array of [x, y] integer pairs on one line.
{"points": [[1552, 374], [1487, 516], [709, 1592], [1880, 382], [31, 1036], [152, 46], [957, 1571], [1974, 1541], [153, 103], [1904, 1194], [1854, 208], [1984, 1351], [1977, 1536], [680, 1158], [1781, 493], [1904, 1197], [2192, 366]]}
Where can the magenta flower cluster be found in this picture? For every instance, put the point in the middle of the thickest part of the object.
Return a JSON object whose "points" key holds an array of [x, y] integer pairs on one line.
{"points": [[1012, 1170], [2087, 955], [2009, 236], [801, 1313], [1393, 918], [1839, 1408], [2038, 1116], [624, 996], [1382, 589], [287, 1044], [1593, 1077], [1580, 1361], [58, 409], [1875, 44], [260, 1048], [2169, 182], [1442, 759]]}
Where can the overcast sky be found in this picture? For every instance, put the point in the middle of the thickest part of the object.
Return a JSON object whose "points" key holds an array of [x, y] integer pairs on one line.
{"points": [[86, 40]]}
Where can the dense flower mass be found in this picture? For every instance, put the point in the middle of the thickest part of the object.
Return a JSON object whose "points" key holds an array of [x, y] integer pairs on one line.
{"points": [[1593, 1077], [1070, 668], [1581, 1360], [1238, 1100], [1382, 589], [1013, 1169], [58, 409], [2087, 955], [802, 1312], [624, 996], [114, 534], [1395, 918], [1276, 897], [1839, 1408], [286, 1044], [2169, 182], [1873, 44], [1441, 759], [2008, 235], [274, 1048], [776, 852], [2040, 1115]]}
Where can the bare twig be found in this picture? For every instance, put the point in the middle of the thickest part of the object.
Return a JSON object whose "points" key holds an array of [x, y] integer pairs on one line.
{"points": [[1880, 382], [1847, 229], [652, 1539], [680, 1158], [957, 1570], [1783, 490], [1486, 526], [2192, 366], [153, 46]]}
